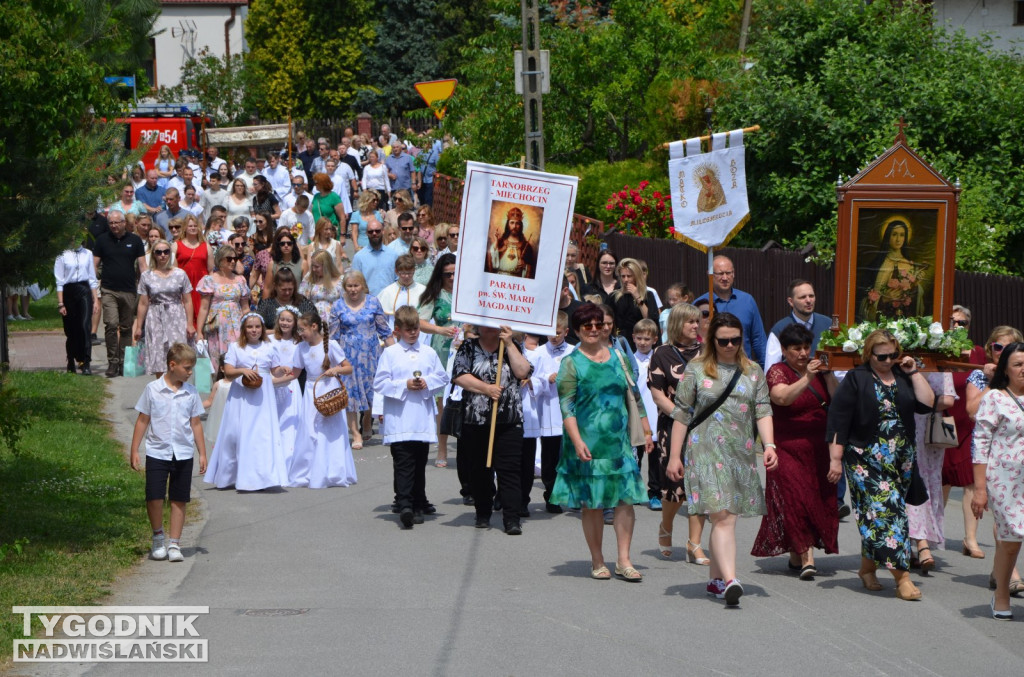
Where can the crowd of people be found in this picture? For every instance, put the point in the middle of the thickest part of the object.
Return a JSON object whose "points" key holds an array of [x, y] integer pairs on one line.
{"points": [[352, 288]]}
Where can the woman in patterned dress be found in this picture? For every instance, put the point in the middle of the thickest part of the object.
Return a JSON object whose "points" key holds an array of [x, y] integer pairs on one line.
{"points": [[721, 456], [360, 326], [322, 285], [801, 503], [225, 298], [598, 469], [999, 468], [871, 432], [191, 253], [165, 308]]}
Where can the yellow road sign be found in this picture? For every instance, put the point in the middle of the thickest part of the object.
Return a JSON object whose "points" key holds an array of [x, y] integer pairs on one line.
{"points": [[434, 91]]}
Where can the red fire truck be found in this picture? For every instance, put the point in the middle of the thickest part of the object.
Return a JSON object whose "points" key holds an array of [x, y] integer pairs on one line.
{"points": [[154, 125]]}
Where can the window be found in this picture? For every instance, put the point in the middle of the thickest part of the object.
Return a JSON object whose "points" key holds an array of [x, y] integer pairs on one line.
{"points": [[149, 64], [1018, 13]]}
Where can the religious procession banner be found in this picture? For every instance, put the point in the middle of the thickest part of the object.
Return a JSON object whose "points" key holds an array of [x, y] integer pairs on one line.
{"points": [[515, 231], [709, 190]]}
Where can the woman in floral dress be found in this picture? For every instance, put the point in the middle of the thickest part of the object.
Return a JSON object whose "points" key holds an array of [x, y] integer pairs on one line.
{"points": [[721, 455], [999, 468], [871, 433], [225, 298], [359, 327]]}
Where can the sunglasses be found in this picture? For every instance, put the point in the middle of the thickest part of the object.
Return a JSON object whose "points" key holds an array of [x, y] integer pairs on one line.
{"points": [[726, 342], [297, 185], [409, 229], [959, 323], [592, 326], [449, 274], [174, 228], [286, 243], [885, 357], [418, 249], [999, 347], [374, 232], [231, 259], [453, 233], [161, 252]]}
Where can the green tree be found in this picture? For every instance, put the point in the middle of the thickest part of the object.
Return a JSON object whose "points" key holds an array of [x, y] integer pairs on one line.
{"points": [[221, 86], [306, 55], [829, 81]]}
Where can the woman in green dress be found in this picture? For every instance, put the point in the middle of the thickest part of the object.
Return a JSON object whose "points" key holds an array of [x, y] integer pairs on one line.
{"points": [[435, 310], [721, 456], [598, 469]]}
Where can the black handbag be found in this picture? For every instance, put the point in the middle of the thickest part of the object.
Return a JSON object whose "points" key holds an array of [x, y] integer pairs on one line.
{"points": [[917, 492], [451, 418]]}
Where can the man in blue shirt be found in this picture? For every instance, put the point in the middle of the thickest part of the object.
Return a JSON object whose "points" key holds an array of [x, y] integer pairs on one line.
{"points": [[739, 303], [401, 170], [150, 194], [426, 162], [376, 262]]}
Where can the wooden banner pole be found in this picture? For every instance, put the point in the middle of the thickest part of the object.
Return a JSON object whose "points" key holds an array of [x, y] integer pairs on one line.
{"points": [[494, 407], [711, 283], [745, 130]]}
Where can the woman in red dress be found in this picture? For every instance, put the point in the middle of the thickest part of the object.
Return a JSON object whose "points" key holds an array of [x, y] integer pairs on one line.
{"points": [[194, 256], [801, 503]]}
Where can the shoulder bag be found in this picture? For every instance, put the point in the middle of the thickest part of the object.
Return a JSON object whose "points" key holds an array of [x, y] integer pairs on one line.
{"points": [[941, 431], [702, 416], [636, 428]]}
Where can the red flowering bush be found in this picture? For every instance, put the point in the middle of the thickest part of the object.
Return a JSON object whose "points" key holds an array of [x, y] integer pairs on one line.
{"points": [[640, 211]]}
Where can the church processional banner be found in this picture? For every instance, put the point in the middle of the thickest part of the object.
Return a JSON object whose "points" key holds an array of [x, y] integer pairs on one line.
{"points": [[515, 231], [709, 190]]}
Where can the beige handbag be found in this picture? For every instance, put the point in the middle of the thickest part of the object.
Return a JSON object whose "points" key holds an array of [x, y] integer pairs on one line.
{"points": [[637, 438]]}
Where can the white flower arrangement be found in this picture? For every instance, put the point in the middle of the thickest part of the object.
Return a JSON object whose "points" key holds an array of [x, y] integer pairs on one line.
{"points": [[912, 333]]}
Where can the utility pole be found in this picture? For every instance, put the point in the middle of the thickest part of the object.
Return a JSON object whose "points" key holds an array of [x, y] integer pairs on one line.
{"points": [[533, 112]]}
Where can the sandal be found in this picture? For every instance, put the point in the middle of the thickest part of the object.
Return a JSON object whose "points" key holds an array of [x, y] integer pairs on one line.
{"points": [[974, 552], [665, 551], [870, 580], [691, 554], [908, 592], [600, 574], [628, 574], [357, 445], [927, 563], [1016, 587], [441, 463]]}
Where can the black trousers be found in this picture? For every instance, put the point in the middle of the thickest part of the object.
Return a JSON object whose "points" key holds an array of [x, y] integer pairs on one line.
{"points": [[409, 460], [550, 453], [77, 321], [526, 466], [506, 462], [653, 470]]}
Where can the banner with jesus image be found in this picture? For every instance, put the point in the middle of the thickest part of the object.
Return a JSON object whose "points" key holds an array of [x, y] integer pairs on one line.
{"points": [[515, 228]]}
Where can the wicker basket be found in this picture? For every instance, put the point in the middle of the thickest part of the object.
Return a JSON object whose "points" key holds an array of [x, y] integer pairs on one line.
{"points": [[331, 402], [253, 383]]}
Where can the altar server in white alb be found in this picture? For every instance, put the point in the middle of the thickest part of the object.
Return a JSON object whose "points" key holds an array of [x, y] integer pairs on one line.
{"points": [[249, 453], [323, 455], [549, 359], [408, 375]]}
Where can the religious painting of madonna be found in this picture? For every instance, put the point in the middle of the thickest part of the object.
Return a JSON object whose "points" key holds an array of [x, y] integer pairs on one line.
{"points": [[896, 262]]}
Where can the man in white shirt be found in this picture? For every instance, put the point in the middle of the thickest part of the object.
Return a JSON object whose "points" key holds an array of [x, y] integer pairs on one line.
{"points": [[406, 234], [214, 162], [299, 213], [298, 188], [343, 177], [318, 163], [340, 185], [184, 178], [248, 174], [213, 196], [277, 174]]}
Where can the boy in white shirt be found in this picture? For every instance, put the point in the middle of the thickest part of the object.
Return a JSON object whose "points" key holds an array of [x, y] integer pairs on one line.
{"points": [[645, 335], [298, 213], [549, 359], [531, 418], [404, 291], [169, 409], [408, 373]]}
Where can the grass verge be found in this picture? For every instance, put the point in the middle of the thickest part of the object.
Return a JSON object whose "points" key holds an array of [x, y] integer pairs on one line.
{"points": [[44, 316], [70, 493]]}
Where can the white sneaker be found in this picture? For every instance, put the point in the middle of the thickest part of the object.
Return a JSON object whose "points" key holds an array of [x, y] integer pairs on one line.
{"points": [[174, 553], [159, 551]]}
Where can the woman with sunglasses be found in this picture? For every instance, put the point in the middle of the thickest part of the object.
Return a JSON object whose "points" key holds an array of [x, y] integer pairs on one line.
{"points": [[225, 298], [435, 308], [999, 469], [871, 432], [977, 385], [721, 449], [403, 203], [165, 308], [192, 254], [283, 254], [420, 251], [598, 469]]}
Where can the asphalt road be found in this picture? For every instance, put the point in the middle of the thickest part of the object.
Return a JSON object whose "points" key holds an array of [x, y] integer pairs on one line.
{"points": [[325, 582]]}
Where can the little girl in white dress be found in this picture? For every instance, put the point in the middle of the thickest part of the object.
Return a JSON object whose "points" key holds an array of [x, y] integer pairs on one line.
{"points": [[286, 387], [249, 453], [323, 456]]}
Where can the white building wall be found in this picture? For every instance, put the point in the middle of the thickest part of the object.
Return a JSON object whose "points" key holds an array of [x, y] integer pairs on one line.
{"points": [[976, 16], [194, 27]]}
